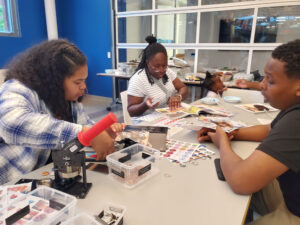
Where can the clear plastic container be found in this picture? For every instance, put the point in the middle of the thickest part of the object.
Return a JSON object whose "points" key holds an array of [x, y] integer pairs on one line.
{"points": [[3, 197], [110, 214], [41, 206], [133, 165], [80, 219], [10, 193]]}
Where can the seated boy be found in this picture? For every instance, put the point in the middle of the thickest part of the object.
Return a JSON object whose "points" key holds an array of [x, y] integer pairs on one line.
{"points": [[277, 158]]}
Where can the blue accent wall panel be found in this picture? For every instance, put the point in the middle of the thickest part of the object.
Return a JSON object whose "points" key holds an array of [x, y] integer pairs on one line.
{"points": [[32, 29], [87, 24]]}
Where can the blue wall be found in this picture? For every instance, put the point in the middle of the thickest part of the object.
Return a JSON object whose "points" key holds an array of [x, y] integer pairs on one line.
{"points": [[32, 26], [84, 22], [87, 24]]}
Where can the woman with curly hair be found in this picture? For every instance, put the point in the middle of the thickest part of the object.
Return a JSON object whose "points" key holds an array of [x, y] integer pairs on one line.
{"points": [[40, 107], [154, 84]]}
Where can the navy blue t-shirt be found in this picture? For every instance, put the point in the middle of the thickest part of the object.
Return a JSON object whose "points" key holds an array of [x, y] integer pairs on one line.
{"points": [[283, 144]]}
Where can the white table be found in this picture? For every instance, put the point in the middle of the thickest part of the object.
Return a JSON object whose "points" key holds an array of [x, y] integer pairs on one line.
{"points": [[190, 195]]}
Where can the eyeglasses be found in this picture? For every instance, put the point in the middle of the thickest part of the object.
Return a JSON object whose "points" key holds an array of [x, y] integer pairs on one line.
{"points": [[158, 69]]}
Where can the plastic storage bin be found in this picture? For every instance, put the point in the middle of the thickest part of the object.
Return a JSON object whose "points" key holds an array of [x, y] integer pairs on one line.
{"points": [[133, 165], [111, 214], [3, 193], [9, 194], [81, 219], [41, 206]]}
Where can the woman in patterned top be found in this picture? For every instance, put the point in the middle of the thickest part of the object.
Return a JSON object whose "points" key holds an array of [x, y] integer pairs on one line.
{"points": [[40, 108]]}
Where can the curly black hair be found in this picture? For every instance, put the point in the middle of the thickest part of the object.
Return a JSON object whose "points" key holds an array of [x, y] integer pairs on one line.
{"points": [[44, 67], [290, 54], [151, 50]]}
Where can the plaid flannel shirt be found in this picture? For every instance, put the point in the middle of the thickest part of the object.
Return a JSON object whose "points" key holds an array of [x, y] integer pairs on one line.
{"points": [[28, 131]]}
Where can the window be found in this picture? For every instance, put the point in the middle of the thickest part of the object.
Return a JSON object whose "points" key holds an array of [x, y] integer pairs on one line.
{"points": [[133, 5], [226, 26], [134, 29], [259, 60], [211, 2], [8, 18], [233, 60], [208, 34], [188, 55], [163, 4], [127, 55], [176, 28], [277, 24]]}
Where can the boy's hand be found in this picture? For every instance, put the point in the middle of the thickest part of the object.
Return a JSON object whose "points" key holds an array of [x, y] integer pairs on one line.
{"points": [[203, 134], [219, 137]]}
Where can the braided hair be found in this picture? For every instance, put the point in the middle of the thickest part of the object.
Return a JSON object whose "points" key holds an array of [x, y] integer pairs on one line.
{"points": [[290, 54], [44, 67], [207, 84], [148, 53]]}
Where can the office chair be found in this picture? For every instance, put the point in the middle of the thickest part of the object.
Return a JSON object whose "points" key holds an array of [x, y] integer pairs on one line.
{"points": [[2, 75], [127, 119]]}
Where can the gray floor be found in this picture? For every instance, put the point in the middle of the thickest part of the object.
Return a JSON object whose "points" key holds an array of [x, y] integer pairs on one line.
{"points": [[95, 107]]}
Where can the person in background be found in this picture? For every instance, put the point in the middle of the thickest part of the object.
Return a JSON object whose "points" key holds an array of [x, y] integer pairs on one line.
{"points": [[40, 108], [272, 171], [242, 83], [153, 84], [212, 86]]}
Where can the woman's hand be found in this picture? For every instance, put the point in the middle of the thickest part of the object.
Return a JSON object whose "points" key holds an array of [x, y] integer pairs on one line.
{"points": [[103, 144], [174, 102], [115, 129], [150, 101]]}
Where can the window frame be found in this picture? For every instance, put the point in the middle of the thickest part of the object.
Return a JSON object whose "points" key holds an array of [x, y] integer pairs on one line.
{"points": [[12, 18], [250, 47]]}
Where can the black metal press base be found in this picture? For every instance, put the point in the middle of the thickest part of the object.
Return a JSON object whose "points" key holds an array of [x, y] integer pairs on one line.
{"points": [[79, 190]]}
